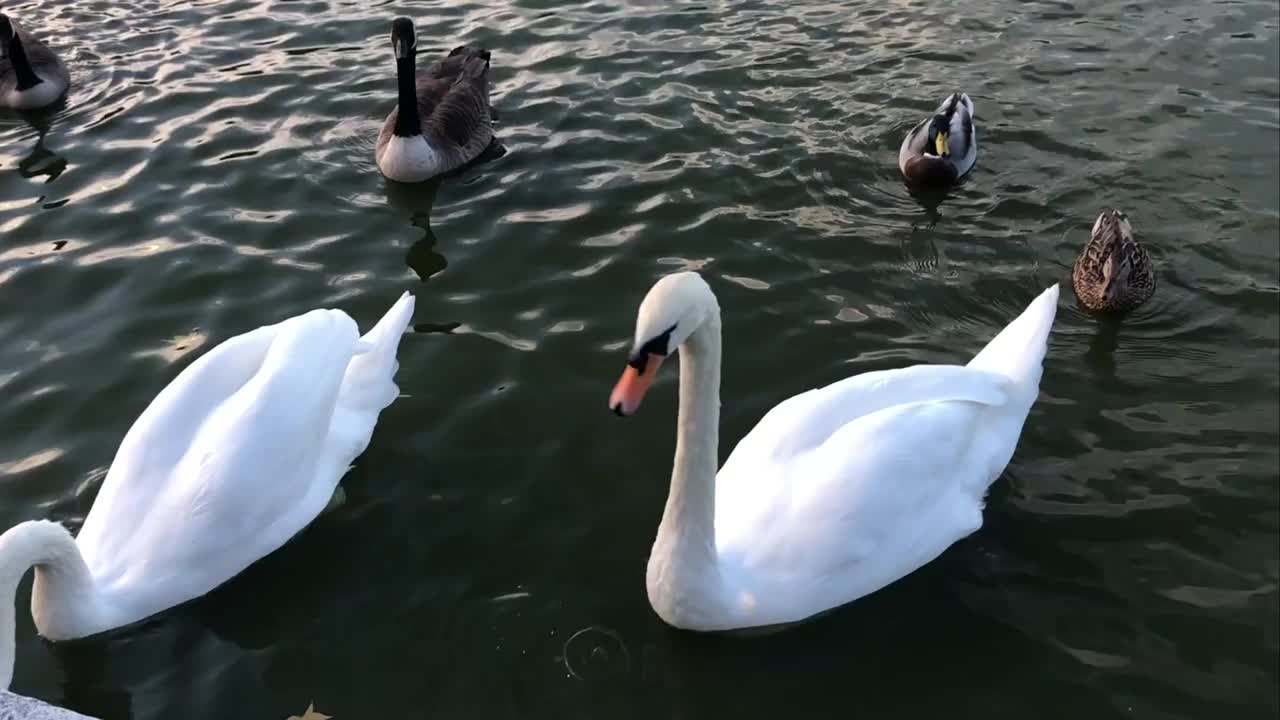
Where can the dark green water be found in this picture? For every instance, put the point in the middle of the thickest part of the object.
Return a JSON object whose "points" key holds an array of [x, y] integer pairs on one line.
{"points": [[212, 171]]}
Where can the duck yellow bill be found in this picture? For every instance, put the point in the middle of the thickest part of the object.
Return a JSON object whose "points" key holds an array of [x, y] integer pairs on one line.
{"points": [[940, 143], [632, 386]]}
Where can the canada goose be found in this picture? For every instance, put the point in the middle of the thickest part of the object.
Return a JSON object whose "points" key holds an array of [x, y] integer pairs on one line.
{"points": [[442, 119], [31, 75], [942, 147]]}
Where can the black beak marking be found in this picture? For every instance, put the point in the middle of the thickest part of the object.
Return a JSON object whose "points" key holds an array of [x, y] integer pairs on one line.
{"points": [[657, 346]]}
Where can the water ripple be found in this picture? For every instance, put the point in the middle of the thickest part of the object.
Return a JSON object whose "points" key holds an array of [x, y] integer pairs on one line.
{"points": [[212, 170]]}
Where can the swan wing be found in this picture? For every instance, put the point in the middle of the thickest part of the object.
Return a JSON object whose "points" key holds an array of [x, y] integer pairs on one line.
{"points": [[842, 490], [808, 420], [224, 466]]}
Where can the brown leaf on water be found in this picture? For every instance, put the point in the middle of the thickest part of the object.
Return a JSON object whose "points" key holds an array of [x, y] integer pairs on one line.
{"points": [[310, 714]]}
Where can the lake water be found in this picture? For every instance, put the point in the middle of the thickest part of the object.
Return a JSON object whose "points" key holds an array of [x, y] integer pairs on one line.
{"points": [[213, 171]]}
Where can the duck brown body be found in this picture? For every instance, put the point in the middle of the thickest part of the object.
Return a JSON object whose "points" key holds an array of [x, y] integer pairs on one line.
{"points": [[1113, 273]]}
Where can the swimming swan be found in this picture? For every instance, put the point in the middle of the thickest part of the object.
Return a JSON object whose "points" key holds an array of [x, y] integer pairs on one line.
{"points": [[838, 491], [235, 456]]}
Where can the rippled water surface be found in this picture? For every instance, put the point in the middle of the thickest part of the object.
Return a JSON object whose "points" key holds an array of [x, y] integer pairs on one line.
{"points": [[212, 171]]}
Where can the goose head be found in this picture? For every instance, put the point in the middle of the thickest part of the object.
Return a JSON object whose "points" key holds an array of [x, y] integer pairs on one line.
{"points": [[404, 40], [7, 35], [674, 308]]}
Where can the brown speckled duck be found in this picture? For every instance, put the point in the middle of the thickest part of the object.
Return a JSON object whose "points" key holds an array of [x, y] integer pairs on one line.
{"points": [[1114, 273]]}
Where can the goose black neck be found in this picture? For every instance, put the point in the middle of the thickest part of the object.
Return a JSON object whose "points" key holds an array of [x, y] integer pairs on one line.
{"points": [[408, 123], [27, 77]]}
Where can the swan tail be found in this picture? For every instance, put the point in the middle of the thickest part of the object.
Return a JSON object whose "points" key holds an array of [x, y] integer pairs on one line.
{"points": [[1018, 351], [368, 384]]}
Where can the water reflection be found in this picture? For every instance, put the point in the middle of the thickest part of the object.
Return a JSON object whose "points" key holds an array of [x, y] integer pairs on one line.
{"points": [[417, 200], [929, 198], [1103, 344], [41, 161], [118, 674], [422, 257], [920, 251]]}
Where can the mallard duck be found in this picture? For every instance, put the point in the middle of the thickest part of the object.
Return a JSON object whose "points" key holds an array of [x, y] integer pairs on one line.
{"points": [[1113, 273], [31, 75], [442, 119], [943, 147], [838, 491], [239, 453]]}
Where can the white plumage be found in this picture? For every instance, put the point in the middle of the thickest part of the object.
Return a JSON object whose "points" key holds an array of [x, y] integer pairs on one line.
{"points": [[233, 458], [838, 491]]}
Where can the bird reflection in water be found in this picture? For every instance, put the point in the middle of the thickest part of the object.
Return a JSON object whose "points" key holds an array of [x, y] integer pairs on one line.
{"points": [[175, 662], [1102, 346], [41, 162], [417, 200], [930, 198], [422, 257]]}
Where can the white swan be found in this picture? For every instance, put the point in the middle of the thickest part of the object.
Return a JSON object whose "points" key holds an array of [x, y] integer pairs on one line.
{"points": [[838, 491], [235, 456]]}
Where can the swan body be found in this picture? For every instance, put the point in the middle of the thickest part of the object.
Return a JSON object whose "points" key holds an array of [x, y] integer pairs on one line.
{"points": [[31, 75], [943, 147], [838, 491], [233, 458], [1113, 273], [442, 118]]}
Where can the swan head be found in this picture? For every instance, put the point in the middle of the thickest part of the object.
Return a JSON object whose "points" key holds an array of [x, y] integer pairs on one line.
{"points": [[675, 307], [404, 41]]}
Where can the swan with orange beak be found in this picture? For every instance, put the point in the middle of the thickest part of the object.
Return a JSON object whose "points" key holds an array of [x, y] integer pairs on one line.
{"points": [[838, 491]]}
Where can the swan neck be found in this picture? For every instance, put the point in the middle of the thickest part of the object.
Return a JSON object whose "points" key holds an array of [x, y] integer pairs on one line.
{"points": [[688, 523], [408, 121], [62, 596]]}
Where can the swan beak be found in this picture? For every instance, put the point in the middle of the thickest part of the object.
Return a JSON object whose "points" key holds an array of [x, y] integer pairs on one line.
{"points": [[940, 144], [632, 386]]}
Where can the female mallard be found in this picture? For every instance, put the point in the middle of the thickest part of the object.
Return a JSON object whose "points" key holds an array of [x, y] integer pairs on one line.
{"points": [[1113, 273], [942, 147], [31, 75], [443, 119]]}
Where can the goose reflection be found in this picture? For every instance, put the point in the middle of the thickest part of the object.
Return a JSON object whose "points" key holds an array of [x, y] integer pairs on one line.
{"points": [[417, 200], [41, 162], [421, 257]]}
